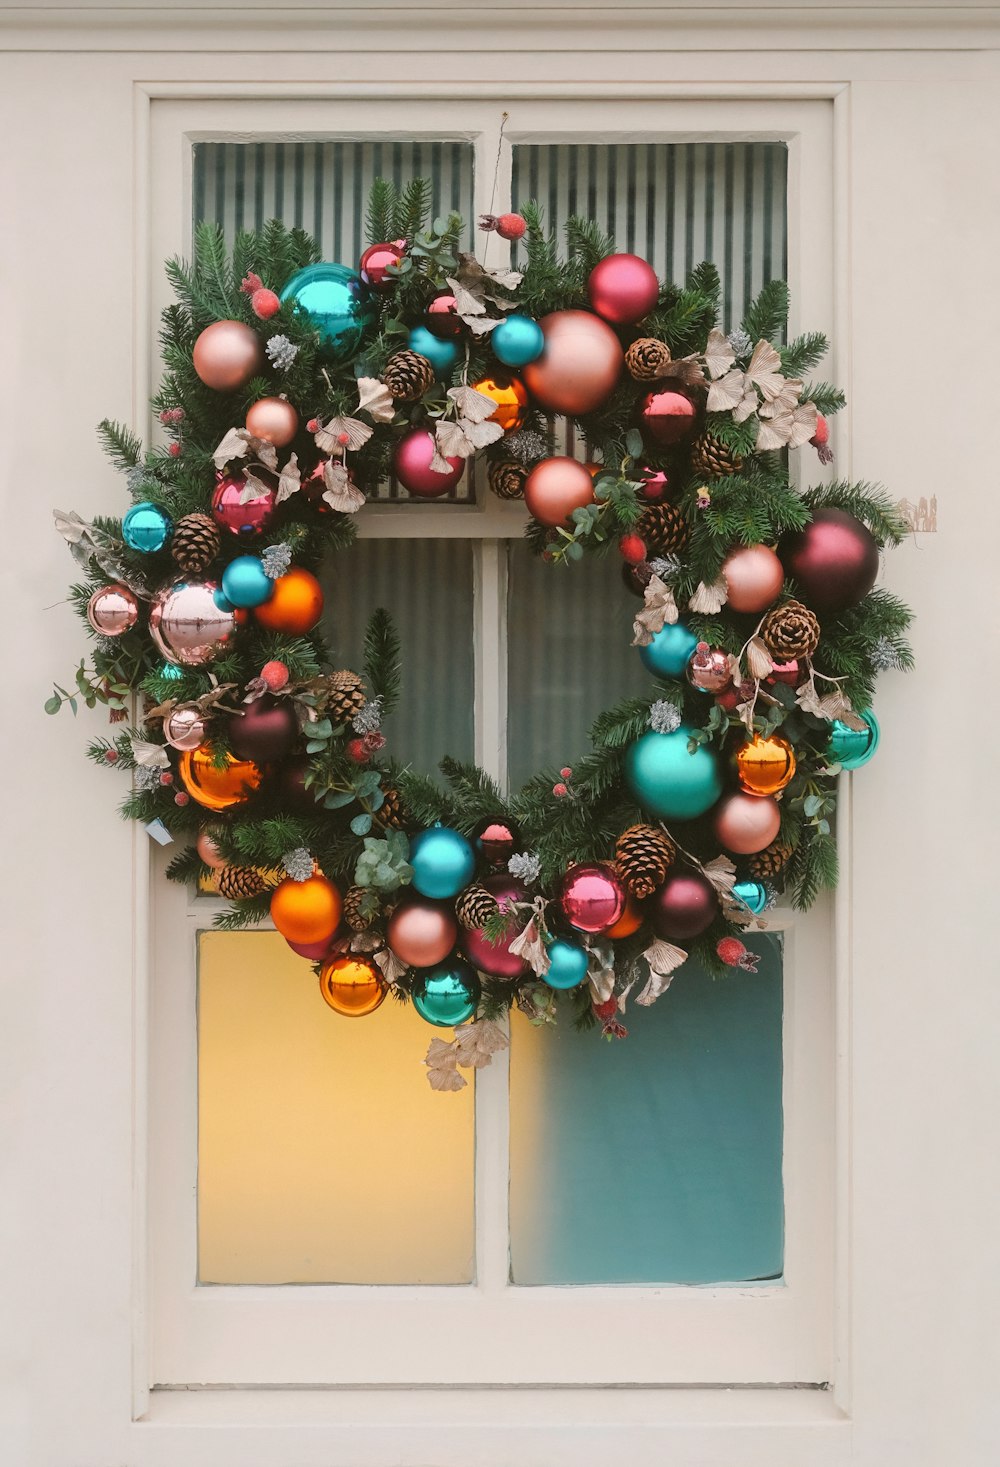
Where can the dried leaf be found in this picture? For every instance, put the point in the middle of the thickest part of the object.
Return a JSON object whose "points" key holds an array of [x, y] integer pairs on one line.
{"points": [[254, 488], [663, 959], [474, 406], [793, 427], [466, 303], [392, 968], [236, 444], [341, 492], [733, 394], [707, 600], [442, 1062], [451, 443], [289, 481], [478, 1042], [340, 433], [482, 325], [530, 944], [659, 609], [479, 434], [150, 756], [375, 398], [719, 354], [759, 660], [764, 371], [686, 369]]}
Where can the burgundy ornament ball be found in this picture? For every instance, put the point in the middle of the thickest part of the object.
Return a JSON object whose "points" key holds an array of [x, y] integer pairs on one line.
{"points": [[496, 841], [314, 951], [592, 898], [263, 732], [684, 906], [834, 560], [411, 463], [294, 790], [745, 824], [496, 959], [227, 354], [623, 289], [579, 366], [441, 317], [112, 610], [421, 932], [374, 264], [754, 576], [666, 415], [240, 519]]}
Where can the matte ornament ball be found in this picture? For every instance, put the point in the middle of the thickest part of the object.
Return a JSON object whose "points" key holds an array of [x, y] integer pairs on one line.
{"points": [[314, 951], [447, 994], [591, 897], [668, 654], [580, 365], [623, 289], [375, 262], [207, 847], [146, 528], [245, 582], [422, 933], [113, 610], [555, 487], [337, 304], [754, 577], [834, 560], [667, 780], [295, 604], [441, 353], [765, 765], [411, 464], [745, 824], [666, 416], [851, 748], [753, 895], [443, 862], [496, 958], [187, 623], [568, 964], [517, 341], [352, 986], [263, 732], [227, 354], [306, 911], [273, 420], [184, 728], [511, 398], [684, 906], [240, 519], [217, 787]]}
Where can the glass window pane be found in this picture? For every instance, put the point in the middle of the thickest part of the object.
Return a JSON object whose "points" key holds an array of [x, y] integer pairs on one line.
{"points": [[323, 1155], [656, 1158]]}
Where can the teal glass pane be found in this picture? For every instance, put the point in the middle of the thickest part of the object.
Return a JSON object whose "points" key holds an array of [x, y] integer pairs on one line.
{"points": [[655, 1158]]}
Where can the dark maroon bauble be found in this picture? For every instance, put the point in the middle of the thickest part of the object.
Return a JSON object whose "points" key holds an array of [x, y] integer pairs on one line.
{"points": [[263, 732], [294, 792], [441, 317], [637, 577], [496, 841], [834, 560], [684, 906], [666, 415]]}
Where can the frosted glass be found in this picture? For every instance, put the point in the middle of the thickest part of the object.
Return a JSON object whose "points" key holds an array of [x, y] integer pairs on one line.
{"points": [[657, 1158], [323, 1154]]}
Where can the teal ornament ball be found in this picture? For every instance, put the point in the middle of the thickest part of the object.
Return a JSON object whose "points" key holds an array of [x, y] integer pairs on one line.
{"points": [[849, 747], [146, 528], [517, 341], [245, 582], [568, 962], [668, 654], [443, 862], [337, 304], [446, 995], [752, 894], [171, 672], [669, 782], [441, 352]]}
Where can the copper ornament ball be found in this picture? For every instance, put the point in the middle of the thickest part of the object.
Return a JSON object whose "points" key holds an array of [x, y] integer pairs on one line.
{"points": [[745, 824], [754, 577], [555, 487], [273, 420], [580, 363], [227, 354], [709, 669], [207, 847], [187, 623], [835, 560]]}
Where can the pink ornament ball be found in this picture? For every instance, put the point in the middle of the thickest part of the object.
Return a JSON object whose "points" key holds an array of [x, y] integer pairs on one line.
{"points": [[208, 849], [496, 959], [411, 464], [246, 519], [422, 932], [745, 824], [592, 898], [226, 355], [623, 289], [754, 577]]}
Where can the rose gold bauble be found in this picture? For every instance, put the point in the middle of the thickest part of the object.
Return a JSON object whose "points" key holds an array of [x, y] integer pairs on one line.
{"points": [[112, 610], [184, 727], [422, 932], [208, 849], [623, 289], [187, 623], [666, 415], [496, 958], [592, 897], [745, 823], [511, 398], [709, 669], [273, 420], [352, 986], [754, 576], [579, 366], [227, 354], [555, 487]]}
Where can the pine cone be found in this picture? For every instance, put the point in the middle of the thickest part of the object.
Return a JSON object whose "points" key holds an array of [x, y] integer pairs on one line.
{"points": [[643, 856], [770, 860], [791, 630], [359, 908], [392, 811], [475, 906], [664, 529], [235, 882], [507, 480], [408, 375], [346, 695], [647, 358], [712, 459], [195, 543]]}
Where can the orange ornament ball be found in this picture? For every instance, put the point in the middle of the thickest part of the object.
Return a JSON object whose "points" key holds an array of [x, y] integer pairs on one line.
{"points": [[296, 603], [630, 920], [580, 364], [306, 911], [215, 787], [764, 766], [352, 986], [511, 398], [273, 420], [555, 487]]}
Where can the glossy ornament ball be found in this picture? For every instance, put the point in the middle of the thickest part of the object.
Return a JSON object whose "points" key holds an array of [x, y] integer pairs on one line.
{"points": [[447, 994], [337, 304], [568, 964], [592, 897], [666, 415], [263, 732], [207, 847], [765, 765], [835, 560], [146, 528], [422, 933], [754, 577], [511, 398], [113, 610], [352, 986], [623, 289], [245, 582], [668, 654], [496, 841], [314, 951], [684, 906], [441, 316], [517, 341], [411, 464], [785, 672], [273, 420], [753, 895], [555, 487], [655, 485], [240, 519], [306, 911], [374, 265], [443, 862], [851, 748], [213, 787], [580, 365], [295, 604], [496, 958], [184, 727], [669, 782], [227, 354], [709, 670], [187, 623], [745, 824], [442, 354], [630, 920]]}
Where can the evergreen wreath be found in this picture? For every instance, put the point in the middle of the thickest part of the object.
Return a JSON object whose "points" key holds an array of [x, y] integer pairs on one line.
{"points": [[290, 390]]}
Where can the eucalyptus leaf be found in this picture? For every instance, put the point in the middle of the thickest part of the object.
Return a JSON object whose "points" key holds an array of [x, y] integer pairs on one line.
{"points": [[361, 824], [633, 443], [53, 704], [338, 799]]}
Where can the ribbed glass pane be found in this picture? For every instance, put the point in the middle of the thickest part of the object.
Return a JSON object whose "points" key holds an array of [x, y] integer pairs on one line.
{"points": [[656, 1158]]}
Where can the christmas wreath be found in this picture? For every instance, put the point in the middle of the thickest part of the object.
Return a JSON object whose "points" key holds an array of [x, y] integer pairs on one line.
{"points": [[291, 389]]}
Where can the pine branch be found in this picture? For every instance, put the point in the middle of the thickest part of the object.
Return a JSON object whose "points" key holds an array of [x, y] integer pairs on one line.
{"points": [[410, 215], [121, 445], [804, 352], [424, 801], [767, 316], [586, 243], [382, 658], [828, 399], [869, 503], [383, 201]]}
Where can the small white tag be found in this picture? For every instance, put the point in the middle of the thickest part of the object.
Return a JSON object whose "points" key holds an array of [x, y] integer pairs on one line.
{"points": [[159, 833]]}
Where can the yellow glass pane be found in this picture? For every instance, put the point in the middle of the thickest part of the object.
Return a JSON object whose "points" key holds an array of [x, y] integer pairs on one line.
{"points": [[323, 1154]]}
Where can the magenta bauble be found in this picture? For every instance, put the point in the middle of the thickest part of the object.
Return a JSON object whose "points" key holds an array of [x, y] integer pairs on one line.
{"points": [[684, 906], [263, 732], [314, 951], [579, 366], [496, 959], [655, 485], [623, 289], [411, 463], [238, 518], [592, 897], [421, 932], [745, 824], [834, 560]]}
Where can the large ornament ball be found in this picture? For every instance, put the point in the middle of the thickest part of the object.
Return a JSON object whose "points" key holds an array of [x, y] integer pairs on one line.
{"points": [[511, 398], [668, 654], [240, 519], [744, 824], [227, 354], [765, 765], [441, 353], [496, 958], [187, 623], [352, 986], [441, 316], [422, 933], [753, 895], [555, 487], [667, 780], [374, 265], [263, 732], [834, 560], [850, 747], [337, 304], [684, 906], [580, 365], [112, 610], [146, 528], [496, 841], [184, 727], [754, 577], [568, 964], [273, 420], [295, 604], [517, 341], [245, 582], [207, 847], [592, 897], [306, 911], [623, 289], [666, 415], [217, 787], [447, 994], [443, 862], [411, 464]]}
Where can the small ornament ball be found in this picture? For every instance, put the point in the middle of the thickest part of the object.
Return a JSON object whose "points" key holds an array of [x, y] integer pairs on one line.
{"points": [[745, 824], [517, 341], [207, 847], [592, 897], [709, 670], [446, 994], [754, 577], [555, 487], [375, 262], [753, 895], [684, 906], [411, 464], [352, 985], [668, 654], [580, 366], [421, 932], [851, 748], [495, 841], [273, 420], [511, 398], [655, 485], [623, 289], [666, 415], [667, 780], [295, 604], [568, 963], [834, 560], [184, 727], [241, 519], [146, 528], [306, 911], [245, 582], [443, 862], [441, 316], [113, 610], [227, 354], [336, 303], [441, 352]]}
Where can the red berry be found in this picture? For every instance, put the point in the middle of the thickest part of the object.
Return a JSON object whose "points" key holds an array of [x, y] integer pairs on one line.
{"points": [[343, 439], [822, 435], [633, 549], [175, 450], [567, 772], [250, 283], [313, 425], [730, 950], [111, 756], [264, 304], [560, 789], [511, 226], [356, 750], [181, 798], [166, 777], [607, 1009], [275, 675]]}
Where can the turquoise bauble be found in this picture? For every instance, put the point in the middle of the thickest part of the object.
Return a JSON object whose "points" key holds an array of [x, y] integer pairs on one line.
{"points": [[669, 782], [336, 302], [245, 582], [668, 654], [447, 994], [568, 963], [146, 527], [442, 353], [443, 862], [752, 894], [850, 748], [517, 341], [171, 672]]}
